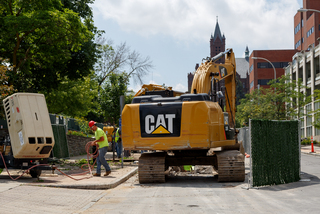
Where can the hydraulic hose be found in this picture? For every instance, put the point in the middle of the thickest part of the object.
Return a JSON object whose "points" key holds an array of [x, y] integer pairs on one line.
{"points": [[95, 154]]}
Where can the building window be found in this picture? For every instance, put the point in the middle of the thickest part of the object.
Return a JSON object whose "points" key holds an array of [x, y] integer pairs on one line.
{"points": [[263, 81], [275, 64], [297, 44], [297, 28], [310, 32], [251, 68], [263, 64], [301, 22], [251, 84]]}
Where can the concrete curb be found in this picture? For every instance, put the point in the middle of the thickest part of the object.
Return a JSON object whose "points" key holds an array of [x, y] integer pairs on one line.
{"points": [[311, 153], [96, 186]]}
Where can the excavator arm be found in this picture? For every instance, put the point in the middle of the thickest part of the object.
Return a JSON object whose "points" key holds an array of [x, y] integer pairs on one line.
{"points": [[208, 76]]}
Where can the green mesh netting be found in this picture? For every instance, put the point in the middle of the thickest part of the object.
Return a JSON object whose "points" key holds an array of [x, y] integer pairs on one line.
{"points": [[60, 149], [274, 152]]}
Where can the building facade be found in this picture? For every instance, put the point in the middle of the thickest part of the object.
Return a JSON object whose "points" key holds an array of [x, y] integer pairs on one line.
{"points": [[307, 26], [242, 68], [305, 65], [217, 43], [261, 71]]}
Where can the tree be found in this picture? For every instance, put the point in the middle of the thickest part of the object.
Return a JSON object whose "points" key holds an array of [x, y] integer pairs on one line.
{"points": [[109, 97], [73, 98], [255, 105], [115, 61], [46, 41], [279, 102], [239, 90], [5, 89], [316, 112]]}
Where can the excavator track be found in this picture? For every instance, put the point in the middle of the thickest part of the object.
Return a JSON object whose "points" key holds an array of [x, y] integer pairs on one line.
{"points": [[230, 166], [152, 168]]}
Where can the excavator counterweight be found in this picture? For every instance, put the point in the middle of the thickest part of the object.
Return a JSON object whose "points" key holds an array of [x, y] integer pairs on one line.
{"points": [[187, 126]]}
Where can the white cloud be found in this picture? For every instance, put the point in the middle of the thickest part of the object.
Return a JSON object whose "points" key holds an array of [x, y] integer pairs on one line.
{"points": [[134, 88], [262, 24], [180, 87], [137, 87]]}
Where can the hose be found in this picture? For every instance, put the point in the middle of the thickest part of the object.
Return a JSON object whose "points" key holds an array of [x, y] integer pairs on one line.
{"points": [[95, 154]]}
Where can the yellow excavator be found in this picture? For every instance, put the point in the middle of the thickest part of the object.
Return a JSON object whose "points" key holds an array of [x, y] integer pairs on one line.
{"points": [[183, 129]]}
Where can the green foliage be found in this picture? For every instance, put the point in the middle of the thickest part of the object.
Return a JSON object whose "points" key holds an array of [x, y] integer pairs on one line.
{"points": [[5, 89], [110, 96], [1, 170], [83, 161], [70, 132], [239, 91], [307, 141], [84, 125], [47, 42], [279, 102], [129, 96], [74, 98], [316, 112]]}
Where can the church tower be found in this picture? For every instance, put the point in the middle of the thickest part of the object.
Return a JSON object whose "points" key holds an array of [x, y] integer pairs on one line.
{"points": [[217, 43], [247, 54]]}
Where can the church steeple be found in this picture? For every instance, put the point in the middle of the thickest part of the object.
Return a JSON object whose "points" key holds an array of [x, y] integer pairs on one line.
{"points": [[217, 43], [217, 32], [247, 53]]}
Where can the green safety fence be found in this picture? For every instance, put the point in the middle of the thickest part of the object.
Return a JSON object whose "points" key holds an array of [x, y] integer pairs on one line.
{"points": [[275, 152], [60, 149]]}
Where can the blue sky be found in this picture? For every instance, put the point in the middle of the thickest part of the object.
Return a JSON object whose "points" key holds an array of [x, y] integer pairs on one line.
{"points": [[175, 34]]}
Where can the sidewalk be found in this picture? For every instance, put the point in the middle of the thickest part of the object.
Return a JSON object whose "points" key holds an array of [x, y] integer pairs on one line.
{"points": [[307, 150], [56, 179]]}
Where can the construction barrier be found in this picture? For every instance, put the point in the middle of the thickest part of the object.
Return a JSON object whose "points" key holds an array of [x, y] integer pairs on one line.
{"points": [[275, 152], [60, 149]]}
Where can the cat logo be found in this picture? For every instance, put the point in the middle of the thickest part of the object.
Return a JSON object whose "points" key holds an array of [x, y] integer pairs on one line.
{"points": [[162, 125], [160, 121]]}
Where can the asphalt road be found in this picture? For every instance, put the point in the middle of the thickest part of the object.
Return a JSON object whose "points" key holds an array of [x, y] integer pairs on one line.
{"points": [[205, 195], [187, 194]]}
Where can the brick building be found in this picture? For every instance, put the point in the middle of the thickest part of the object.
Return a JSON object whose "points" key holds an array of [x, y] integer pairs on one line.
{"points": [[218, 45], [242, 67], [307, 26], [305, 64], [261, 71]]}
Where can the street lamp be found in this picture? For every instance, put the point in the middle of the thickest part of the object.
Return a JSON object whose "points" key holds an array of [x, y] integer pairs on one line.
{"points": [[307, 10], [275, 73]]}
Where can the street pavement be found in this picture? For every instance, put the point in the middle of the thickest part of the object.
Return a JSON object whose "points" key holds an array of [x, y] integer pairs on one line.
{"points": [[76, 179], [86, 181], [308, 150]]}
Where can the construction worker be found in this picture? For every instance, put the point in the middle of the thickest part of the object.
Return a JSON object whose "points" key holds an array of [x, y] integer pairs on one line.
{"points": [[117, 139], [102, 142]]}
